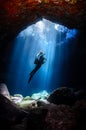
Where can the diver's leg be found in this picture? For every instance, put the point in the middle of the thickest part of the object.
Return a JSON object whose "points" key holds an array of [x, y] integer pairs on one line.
{"points": [[33, 72], [30, 78], [31, 75]]}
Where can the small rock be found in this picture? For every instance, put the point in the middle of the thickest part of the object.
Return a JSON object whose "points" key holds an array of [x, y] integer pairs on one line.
{"points": [[4, 90]]}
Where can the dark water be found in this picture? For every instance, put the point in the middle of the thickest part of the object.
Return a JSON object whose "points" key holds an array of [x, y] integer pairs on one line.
{"points": [[59, 45]]}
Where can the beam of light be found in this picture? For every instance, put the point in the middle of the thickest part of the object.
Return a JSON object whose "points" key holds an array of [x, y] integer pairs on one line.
{"points": [[46, 36]]}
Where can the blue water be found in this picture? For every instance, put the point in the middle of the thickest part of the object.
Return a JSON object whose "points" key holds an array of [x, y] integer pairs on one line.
{"points": [[56, 41]]}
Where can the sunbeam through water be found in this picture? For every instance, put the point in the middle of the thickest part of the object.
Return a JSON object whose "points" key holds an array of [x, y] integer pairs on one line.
{"points": [[53, 39]]}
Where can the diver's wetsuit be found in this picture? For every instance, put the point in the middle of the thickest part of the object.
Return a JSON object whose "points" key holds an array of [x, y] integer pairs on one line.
{"points": [[40, 59]]}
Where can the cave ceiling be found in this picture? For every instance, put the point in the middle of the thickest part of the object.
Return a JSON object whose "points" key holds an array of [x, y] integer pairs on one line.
{"points": [[15, 15]]}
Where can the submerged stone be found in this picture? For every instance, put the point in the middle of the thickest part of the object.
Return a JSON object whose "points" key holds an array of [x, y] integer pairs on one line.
{"points": [[4, 90], [41, 95]]}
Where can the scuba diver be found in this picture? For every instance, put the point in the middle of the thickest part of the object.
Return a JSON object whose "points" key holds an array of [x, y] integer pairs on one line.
{"points": [[39, 60]]}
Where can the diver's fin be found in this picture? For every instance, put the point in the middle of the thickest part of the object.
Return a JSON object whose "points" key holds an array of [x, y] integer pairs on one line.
{"points": [[29, 80]]}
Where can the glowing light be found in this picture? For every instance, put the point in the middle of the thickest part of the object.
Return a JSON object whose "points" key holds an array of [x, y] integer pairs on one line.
{"points": [[56, 26], [40, 26], [46, 36]]}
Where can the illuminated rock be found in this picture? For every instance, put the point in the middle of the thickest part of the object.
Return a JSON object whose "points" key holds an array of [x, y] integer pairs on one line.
{"points": [[40, 95], [4, 90], [26, 104], [17, 98]]}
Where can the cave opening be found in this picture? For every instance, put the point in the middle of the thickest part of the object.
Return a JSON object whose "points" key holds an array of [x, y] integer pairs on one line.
{"points": [[58, 44]]}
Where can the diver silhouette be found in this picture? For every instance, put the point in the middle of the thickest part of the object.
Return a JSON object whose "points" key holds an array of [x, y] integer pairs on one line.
{"points": [[39, 60]]}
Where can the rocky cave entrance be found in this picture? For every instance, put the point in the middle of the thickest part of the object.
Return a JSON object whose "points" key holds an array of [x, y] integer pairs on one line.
{"points": [[56, 41]]}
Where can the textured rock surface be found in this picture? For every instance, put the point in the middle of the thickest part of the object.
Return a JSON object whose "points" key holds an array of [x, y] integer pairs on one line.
{"points": [[64, 95], [47, 117], [60, 117], [15, 15], [4, 90], [80, 110], [10, 114]]}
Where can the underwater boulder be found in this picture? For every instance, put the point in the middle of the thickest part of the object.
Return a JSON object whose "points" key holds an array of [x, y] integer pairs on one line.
{"points": [[4, 90], [80, 109], [45, 117], [80, 94], [36, 100], [41, 95], [62, 95], [27, 104], [10, 114], [42, 102], [60, 117], [16, 98], [36, 118], [51, 117], [21, 126], [27, 98]]}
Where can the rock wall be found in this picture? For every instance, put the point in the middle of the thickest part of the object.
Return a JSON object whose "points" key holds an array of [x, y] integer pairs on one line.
{"points": [[15, 15]]}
